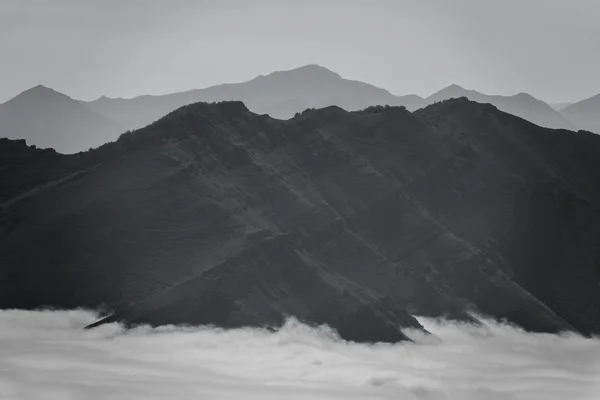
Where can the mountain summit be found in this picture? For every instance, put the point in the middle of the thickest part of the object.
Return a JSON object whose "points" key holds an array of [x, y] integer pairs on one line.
{"points": [[307, 72], [452, 91], [38, 97]]}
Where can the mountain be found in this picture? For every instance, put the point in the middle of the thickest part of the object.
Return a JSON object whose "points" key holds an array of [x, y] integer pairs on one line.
{"points": [[559, 106], [47, 118], [217, 215], [585, 114], [280, 94], [522, 105]]}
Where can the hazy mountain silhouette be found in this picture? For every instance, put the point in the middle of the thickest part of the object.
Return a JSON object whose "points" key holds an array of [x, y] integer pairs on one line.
{"points": [[47, 118], [585, 114], [215, 214], [559, 106], [522, 105], [280, 94]]}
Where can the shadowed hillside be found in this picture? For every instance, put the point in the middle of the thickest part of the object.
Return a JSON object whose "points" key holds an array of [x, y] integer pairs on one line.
{"points": [[214, 214]]}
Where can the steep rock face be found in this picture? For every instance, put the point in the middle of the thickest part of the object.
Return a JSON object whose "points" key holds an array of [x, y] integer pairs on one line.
{"points": [[214, 214]]}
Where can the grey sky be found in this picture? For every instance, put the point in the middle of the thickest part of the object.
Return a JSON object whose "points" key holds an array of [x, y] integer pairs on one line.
{"points": [[85, 48]]}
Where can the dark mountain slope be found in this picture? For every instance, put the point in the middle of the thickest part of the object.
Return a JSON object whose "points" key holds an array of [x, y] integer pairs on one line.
{"points": [[214, 214], [537, 194], [47, 118], [23, 168], [585, 114]]}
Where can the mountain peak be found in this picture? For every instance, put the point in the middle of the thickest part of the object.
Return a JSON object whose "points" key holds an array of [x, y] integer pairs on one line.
{"points": [[315, 68], [40, 89], [524, 95], [457, 89], [451, 91], [39, 92], [308, 71], [454, 86]]}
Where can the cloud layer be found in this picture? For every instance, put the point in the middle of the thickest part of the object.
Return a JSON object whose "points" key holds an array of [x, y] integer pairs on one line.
{"points": [[48, 355]]}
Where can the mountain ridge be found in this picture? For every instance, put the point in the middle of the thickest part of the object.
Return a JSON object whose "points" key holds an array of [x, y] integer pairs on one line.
{"points": [[215, 214], [522, 105], [281, 94]]}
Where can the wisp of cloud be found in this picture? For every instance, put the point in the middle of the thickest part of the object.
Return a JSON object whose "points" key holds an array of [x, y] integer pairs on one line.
{"points": [[48, 355]]}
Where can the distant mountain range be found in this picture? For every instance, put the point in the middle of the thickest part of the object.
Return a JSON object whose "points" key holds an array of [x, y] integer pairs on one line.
{"points": [[47, 118], [585, 114], [559, 106], [217, 215], [50, 119], [522, 105], [280, 94]]}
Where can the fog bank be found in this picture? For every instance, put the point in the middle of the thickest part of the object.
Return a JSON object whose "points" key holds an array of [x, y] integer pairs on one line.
{"points": [[48, 355]]}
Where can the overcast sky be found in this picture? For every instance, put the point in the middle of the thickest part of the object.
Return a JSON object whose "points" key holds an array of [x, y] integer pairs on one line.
{"points": [[124, 48]]}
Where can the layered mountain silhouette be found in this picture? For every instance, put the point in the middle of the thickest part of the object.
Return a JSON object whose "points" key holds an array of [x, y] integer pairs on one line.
{"points": [[585, 114], [522, 105], [280, 94], [47, 118], [217, 215], [559, 106]]}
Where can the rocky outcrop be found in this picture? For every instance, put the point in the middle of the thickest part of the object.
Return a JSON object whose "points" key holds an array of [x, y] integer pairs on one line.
{"points": [[216, 215]]}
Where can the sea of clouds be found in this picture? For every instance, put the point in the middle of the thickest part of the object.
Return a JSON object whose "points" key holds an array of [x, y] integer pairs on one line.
{"points": [[48, 355]]}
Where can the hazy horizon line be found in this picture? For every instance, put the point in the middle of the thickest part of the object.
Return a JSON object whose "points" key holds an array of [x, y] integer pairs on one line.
{"points": [[106, 95]]}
